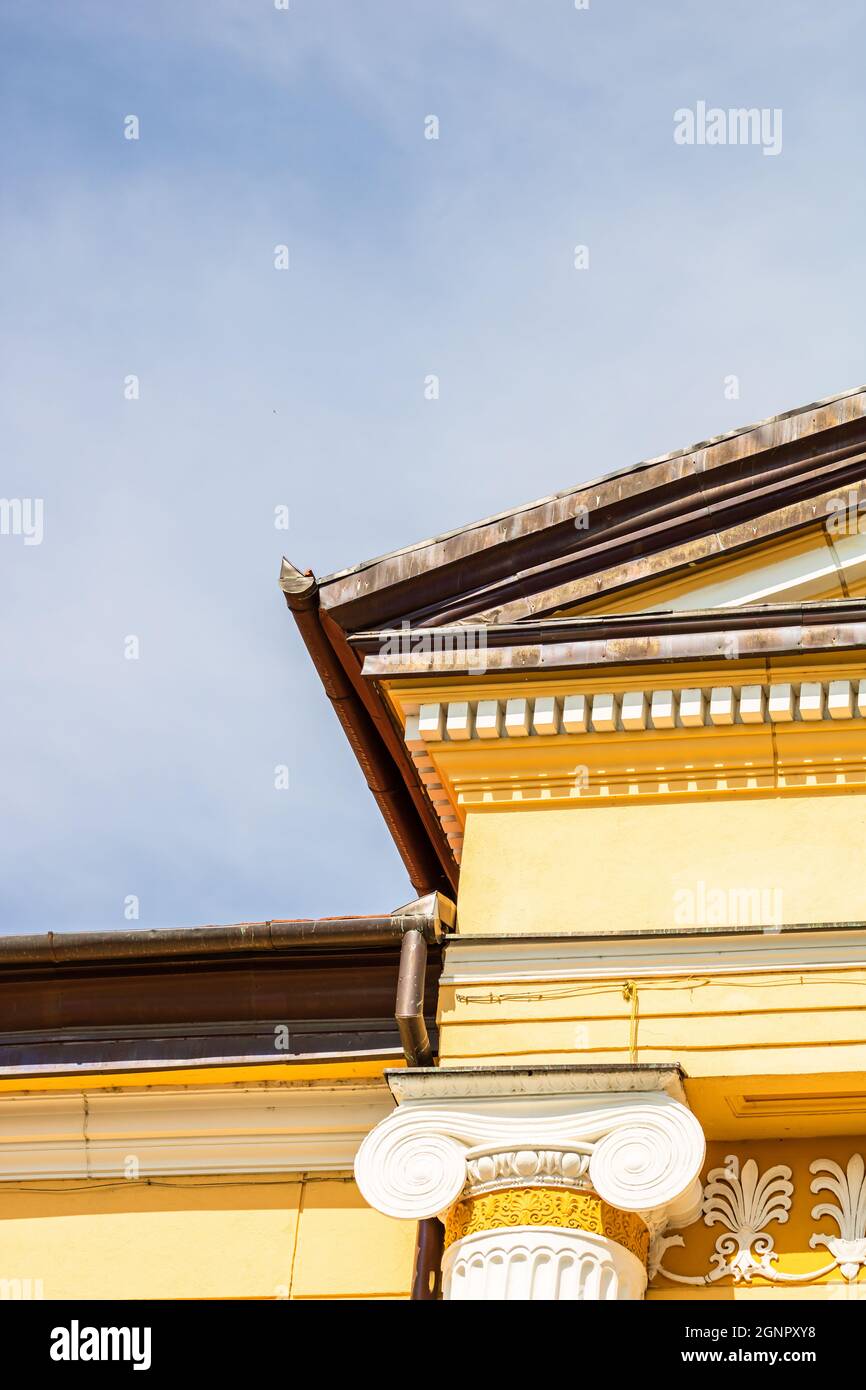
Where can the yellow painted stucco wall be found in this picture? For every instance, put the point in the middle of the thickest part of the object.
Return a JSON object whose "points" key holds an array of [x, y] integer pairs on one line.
{"points": [[626, 867], [260, 1237], [787, 1023]]}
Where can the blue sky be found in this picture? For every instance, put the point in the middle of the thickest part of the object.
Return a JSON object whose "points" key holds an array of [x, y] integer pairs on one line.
{"points": [[258, 387]]}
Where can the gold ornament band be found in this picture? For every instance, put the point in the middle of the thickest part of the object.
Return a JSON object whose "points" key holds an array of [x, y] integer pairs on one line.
{"points": [[547, 1206]]}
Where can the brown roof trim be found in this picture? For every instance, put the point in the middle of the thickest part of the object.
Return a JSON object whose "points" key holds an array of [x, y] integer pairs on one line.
{"points": [[737, 929], [387, 768], [145, 1014], [797, 423], [649, 508], [703, 634]]}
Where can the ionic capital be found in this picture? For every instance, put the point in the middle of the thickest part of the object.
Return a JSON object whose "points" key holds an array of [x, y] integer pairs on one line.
{"points": [[624, 1134]]}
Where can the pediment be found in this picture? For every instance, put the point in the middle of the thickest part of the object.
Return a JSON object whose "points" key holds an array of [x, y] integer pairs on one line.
{"points": [[818, 562]]}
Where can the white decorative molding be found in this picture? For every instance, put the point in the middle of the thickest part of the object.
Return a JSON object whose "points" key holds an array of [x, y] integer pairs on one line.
{"points": [[604, 745], [637, 711], [429, 724], [849, 1188], [489, 961], [645, 1149], [532, 1263], [491, 1169], [746, 1203], [246, 1129]]}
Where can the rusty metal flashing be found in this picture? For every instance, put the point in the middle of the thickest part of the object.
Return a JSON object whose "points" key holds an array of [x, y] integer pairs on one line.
{"points": [[702, 635], [519, 576], [788, 425], [691, 493], [715, 544]]}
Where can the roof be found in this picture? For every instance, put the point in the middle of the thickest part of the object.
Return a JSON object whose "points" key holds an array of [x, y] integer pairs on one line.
{"points": [[82, 1003], [458, 575], [766, 427], [520, 575]]}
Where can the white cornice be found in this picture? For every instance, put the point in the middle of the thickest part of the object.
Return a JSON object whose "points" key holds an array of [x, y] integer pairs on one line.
{"points": [[481, 960], [657, 742], [246, 1129]]}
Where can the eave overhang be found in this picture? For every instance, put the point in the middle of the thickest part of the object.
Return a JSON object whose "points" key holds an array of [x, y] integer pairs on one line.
{"points": [[255, 994], [373, 738]]}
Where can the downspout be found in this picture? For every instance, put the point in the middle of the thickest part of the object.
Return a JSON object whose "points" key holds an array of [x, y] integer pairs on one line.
{"points": [[420, 927], [429, 1249], [409, 1012]]}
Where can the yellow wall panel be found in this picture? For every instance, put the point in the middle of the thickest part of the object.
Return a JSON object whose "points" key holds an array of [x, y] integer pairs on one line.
{"points": [[552, 870], [262, 1238], [196, 1238]]}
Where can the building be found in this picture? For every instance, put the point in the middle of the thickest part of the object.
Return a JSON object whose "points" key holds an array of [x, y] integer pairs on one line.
{"points": [[623, 729], [180, 1110]]}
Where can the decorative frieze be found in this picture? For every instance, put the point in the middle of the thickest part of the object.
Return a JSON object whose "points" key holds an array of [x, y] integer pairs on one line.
{"points": [[646, 744], [849, 1211], [746, 1202]]}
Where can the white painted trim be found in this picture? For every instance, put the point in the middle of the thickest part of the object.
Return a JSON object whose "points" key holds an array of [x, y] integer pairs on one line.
{"points": [[481, 960], [244, 1129]]}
